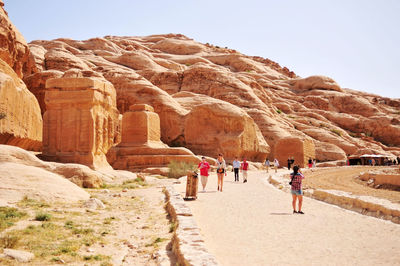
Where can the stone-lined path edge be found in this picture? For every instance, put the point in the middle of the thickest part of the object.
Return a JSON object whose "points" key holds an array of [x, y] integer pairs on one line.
{"points": [[187, 243]]}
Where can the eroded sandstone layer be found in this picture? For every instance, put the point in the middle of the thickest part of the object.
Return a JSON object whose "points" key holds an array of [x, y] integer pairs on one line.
{"points": [[213, 99], [141, 146], [79, 125], [20, 119]]}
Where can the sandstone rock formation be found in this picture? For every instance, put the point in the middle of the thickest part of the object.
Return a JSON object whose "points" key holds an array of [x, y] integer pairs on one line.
{"points": [[301, 150], [141, 146], [79, 174], [157, 69], [14, 49], [80, 121], [20, 119], [22, 174], [214, 126]]}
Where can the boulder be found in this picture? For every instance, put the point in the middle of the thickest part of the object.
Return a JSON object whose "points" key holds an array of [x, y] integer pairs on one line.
{"points": [[23, 174], [19, 255], [315, 83]]}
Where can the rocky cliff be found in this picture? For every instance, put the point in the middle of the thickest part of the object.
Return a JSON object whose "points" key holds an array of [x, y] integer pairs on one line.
{"points": [[20, 118], [209, 99], [213, 99]]}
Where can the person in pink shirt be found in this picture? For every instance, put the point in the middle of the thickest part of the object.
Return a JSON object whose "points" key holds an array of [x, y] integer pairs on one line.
{"points": [[204, 166], [244, 167]]}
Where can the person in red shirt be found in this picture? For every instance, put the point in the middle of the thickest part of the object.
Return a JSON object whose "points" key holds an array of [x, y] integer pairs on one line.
{"points": [[296, 188], [244, 167], [204, 166]]}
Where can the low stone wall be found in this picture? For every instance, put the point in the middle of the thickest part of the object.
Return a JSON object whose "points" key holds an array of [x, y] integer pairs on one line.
{"points": [[382, 179], [367, 205], [187, 243]]}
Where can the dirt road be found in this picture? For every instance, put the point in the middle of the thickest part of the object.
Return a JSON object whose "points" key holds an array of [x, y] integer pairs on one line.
{"points": [[253, 224]]}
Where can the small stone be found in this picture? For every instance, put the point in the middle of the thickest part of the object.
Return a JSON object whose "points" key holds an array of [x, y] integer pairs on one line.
{"points": [[124, 190], [19, 255], [94, 203], [106, 191], [90, 250]]}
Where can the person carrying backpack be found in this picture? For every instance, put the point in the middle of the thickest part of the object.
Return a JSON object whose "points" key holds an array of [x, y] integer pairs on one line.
{"points": [[296, 188]]}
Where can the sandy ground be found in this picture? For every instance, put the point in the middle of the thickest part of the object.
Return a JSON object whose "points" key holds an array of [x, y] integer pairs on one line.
{"points": [[133, 220], [253, 224], [344, 179]]}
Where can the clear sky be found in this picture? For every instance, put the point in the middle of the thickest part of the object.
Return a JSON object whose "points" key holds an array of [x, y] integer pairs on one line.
{"points": [[355, 42]]}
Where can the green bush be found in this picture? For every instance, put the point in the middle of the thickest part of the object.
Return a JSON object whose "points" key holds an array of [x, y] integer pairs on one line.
{"points": [[278, 111], [178, 169], [43, 217]]}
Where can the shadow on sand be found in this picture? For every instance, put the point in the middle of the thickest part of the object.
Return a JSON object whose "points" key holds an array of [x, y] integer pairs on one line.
{"points": [[281, 213]]}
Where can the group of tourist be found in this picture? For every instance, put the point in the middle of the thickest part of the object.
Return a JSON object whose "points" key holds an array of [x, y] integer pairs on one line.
{"points": [[296, 176], [267, 164], [220, 163]]}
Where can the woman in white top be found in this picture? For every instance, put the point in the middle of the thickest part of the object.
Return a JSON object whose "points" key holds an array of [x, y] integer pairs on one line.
{"points": [[221, 171], [276, 165]]}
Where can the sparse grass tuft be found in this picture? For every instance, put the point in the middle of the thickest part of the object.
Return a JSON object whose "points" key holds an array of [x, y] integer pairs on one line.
{"points": [[337, 132], [156, 242], [279, 111], [172, 227], [2, 116], [27, 202], [9, 241], [178, 169], [134, 183], [108, 220], [97, 257], [8, 216]]}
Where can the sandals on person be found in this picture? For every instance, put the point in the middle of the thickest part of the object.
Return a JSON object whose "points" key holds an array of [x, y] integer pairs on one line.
{"points": [[294, 211], [300, 212]]}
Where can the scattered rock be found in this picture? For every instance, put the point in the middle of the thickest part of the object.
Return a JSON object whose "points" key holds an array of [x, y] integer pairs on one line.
{"points": [[94, 203], [19, 255]]}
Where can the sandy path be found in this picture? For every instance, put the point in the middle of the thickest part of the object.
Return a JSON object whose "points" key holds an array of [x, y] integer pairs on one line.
{"points": [[253, 224]]}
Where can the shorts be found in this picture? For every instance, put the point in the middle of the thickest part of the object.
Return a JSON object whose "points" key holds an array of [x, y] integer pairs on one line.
{"points": [[223, 171], [296, 192], [245, 174]]}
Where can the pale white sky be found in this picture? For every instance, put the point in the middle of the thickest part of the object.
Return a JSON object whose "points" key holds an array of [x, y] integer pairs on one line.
{"points": [[355, 42]]}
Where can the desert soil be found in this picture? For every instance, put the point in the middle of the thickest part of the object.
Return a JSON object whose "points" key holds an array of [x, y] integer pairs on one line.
{"points": [[133, 229], [345, 179], [253, 224]]}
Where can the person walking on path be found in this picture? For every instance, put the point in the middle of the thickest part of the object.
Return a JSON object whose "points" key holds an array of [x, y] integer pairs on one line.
{"points": [[310, 163], [244, 167], [204, 166], [221, 171], [236, 166], [267, 164], [276, 165], [289, 162], [296, 188]]}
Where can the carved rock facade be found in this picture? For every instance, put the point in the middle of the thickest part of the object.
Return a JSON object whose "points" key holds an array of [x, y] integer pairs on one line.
{"points": [[80, 122], [141, 146]]}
